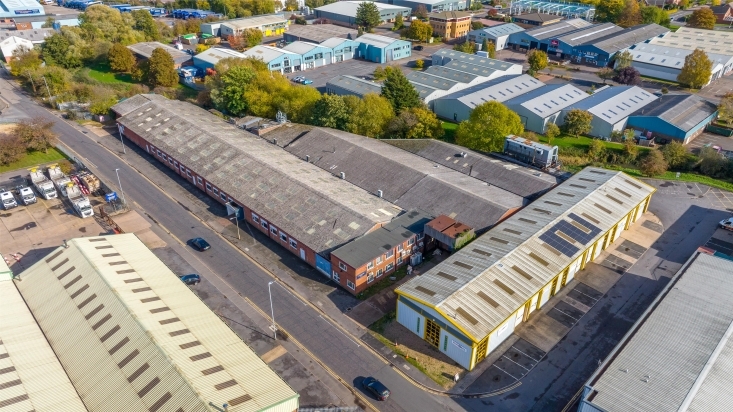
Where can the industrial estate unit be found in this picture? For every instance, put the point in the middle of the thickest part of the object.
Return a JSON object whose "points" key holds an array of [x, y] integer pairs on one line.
{"points": [[127, 335], [473, 300]]}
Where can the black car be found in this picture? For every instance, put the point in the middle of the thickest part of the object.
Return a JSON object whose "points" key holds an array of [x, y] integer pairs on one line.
{"points": [[200, 244], [376, 388], [418, 48], [192, 279]]}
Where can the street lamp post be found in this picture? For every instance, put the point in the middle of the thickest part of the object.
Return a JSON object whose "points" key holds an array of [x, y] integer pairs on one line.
{"points": [[47, 90], [272, 311], [236, 221], [122, 192]]}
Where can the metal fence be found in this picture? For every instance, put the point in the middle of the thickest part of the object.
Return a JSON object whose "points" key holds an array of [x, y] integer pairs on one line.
{"points": [[719, 130]]}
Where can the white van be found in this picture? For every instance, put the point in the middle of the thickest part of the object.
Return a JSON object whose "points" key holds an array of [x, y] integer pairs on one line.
{"points": [[7, 199]]}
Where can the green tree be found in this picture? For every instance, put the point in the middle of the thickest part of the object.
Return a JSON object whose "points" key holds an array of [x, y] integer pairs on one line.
{"points": [[121, 58], [419, 64], [368, 116], [330, 111], [475, 6], [367, 16], [487, 127], [24, 60], [697, 70], [675, 154], [415, 123], [712, 163], [291, 5], [477, 25], [702, 18], [400, 92], [421, 12], [252, 37], [161, 69], [466, 47], [631, 150], [100, 22], [577, 122], [12, 148], [145, 23], [725, 109], [596, 150], [551, 131], [36, 133], [653, 163], [57, 79], [609, 10], [537, 60], [623, 59], [48, 24], [490, 48], [605, 74], [631, 15], [101, 105], [55, 52], [228, 94], [654, 14], [399, 22], [420, 31]]}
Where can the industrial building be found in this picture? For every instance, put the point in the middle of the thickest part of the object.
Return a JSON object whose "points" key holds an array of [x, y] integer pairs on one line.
{"points": [[664, 62], [432, 6], [558, 8], [312, 55], [37, 22], [545, 38], [344, 12], [473, 300], [678, 354], [130, 336], [450, 24], [679, 117], [611, 108], [381, 252], [600, 52], [710, 41], [542, 106], [458, 106], [317, 33], [499, 35], [17, 8], [341, 49], [345, 85], [564, 46], [269, 25], [209, 58], [444, 56], [35, 36], [278, 60], [11, 46], [530, 152], [530, 20], [381, 49], [144, 50], [286, 197]]}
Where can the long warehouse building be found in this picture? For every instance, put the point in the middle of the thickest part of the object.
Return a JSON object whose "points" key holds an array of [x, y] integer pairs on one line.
{"points": [[472, 301], [130, 336]]}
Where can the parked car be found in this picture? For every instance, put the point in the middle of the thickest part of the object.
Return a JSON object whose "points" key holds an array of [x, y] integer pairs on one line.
{"points": [[376, 387], [298, 79], [306, 81], [192, 279], [726, 224], [418, 48], [7, 199], [200, 244]]}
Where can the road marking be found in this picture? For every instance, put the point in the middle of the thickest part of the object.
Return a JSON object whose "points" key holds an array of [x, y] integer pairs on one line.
{"points": [[277, 282], [594, 299], [513, 377], [347, 336], [571, 317], [521, 366], [515, 348], [273, 354]]}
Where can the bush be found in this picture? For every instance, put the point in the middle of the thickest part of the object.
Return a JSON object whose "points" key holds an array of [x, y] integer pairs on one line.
{"points": [[66, 166], [419, 64], [12, 148], [653, 164]]}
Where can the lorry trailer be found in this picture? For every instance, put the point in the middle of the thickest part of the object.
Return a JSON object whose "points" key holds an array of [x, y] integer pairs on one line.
{"points": [[43, 185]]}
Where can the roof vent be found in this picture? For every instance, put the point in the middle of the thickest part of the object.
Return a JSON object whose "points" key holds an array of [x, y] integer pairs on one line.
{"points": [[379, 192], [274, 141], [343, 175], [307, 158]]}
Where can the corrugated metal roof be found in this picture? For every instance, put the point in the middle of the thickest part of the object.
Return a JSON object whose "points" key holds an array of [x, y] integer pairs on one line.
{"points": [[254, 22], [683, 111], [300, 47], [34, 35], [500, 263], [296, 196], [628, 37], [320, 32], [711, 41], [334, 42], [501, 30], [31, 377], [549, 99], [355, 84], [268, 53], [672, 57], [500, 89], [680, 356], [431, 80], [146, 50], [558, 29], [348, 8], [453, 74], [613, 104], [132, 336], [374, 39], [475, 59], [590, 34], [214, 55]]}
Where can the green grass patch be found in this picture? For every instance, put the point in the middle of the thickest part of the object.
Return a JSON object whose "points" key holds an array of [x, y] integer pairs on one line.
{"points": [[581, 142], [33, 159], [684, 177], [103, 74], [384, 283], [449, 130]]}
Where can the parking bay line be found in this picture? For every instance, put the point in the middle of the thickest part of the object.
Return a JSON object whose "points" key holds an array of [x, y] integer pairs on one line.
{"points": [[504, 356], [571, 317], [513, 377], [515, 348], [594, 299]]}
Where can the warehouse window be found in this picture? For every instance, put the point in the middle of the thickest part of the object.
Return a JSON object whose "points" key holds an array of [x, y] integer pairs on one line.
{"points": [[370, 278], [380, 272], [342, 266], [318, 55], [293, 243], [188, 173], [255, 218], [347, 49], [170, 160], [208, 186], [165, 157], [350, 284], [389, 267], [273, 230], [399, 260], [379, 260], [370, 265], [335, 277], [399, 247], [216, 191], [198, 178], [283, 237], [175, 164], [264, 224], [389, 254], [223, 196]]}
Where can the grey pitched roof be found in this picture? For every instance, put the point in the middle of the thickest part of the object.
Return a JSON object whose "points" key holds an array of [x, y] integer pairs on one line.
{"points": [[475, 59], [431, 80], [348, 8], [558, 29], [300, 47], [452, 74], [522, 181], [613, 104], [684, 111], [320, 32], [146, 49], [616, 41], [501, 30], [678, 356], [318, 209], [34, 35], [549, 99], [538, 17], [405, 179], [355, 85], [499, 89], [378, 242], [590, 34]]}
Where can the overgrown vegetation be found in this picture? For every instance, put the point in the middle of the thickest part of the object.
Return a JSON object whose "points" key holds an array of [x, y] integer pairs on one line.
{"points": [[28, 137]]}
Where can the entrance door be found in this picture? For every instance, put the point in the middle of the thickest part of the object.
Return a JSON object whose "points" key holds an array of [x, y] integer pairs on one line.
{"points": [[302, 253], [432, 332], [388, 55]]}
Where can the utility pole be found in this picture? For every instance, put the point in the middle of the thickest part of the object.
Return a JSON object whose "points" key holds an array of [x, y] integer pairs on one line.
{"points": [[272, 311], [47, 90], [31, 79], [122, 192]]}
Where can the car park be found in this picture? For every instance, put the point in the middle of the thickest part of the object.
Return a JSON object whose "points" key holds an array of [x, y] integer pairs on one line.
{"points": [[376, 388], [192, 279], [26, 195], [200, 244]]}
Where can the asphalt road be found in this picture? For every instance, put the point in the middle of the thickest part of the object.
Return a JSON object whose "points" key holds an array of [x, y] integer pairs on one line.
{"points": [[343, 354]]}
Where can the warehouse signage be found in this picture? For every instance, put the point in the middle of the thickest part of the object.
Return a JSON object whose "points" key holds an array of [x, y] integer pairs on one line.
{"points": [[554, 42], [35, 11], [458, 345]]}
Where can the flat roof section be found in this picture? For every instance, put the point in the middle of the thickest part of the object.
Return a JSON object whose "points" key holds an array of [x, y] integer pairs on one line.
{"points": [[31, 377], [254, 21], [475, 59], [499, 89], [549, 99], [320, 32], [679, 354], [558, 29], [617, 41], [590, 34], [518, 257], [348, 8], [355, 85], [502, 29], [133, 337]]}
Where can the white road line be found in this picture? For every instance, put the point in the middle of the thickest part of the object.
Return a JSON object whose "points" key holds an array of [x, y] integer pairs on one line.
{"points": [[571, 317], [594, 299], [339, 330], [515, 378], [515, 348], [505, 357], [289, 293]]}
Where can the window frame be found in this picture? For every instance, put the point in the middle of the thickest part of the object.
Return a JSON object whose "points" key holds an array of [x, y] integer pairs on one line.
{"points": [[273, 230], [411, 241], [379, 260], [223, 196], [216, 191], [370, 265], [389, 254], [380, 272], [293, 243], [351, 285], [283, 236], [335, 276], [342, 266], [255, 218], [199, 180], [389, 267], [264, 224], [370, 277]]}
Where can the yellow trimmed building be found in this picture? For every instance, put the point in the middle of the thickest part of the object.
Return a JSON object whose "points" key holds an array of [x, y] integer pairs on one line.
{"points": [[471, 302], [450, 24]]}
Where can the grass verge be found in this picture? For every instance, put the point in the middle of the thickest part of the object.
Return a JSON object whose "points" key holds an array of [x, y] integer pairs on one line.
{"points": [[33, 159], [684, 177], [449, 130], [103, 74]]}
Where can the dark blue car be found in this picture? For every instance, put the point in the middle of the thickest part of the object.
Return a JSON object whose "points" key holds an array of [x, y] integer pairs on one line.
{"points": [[200, 244], [192, 279], [376, 388]]}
